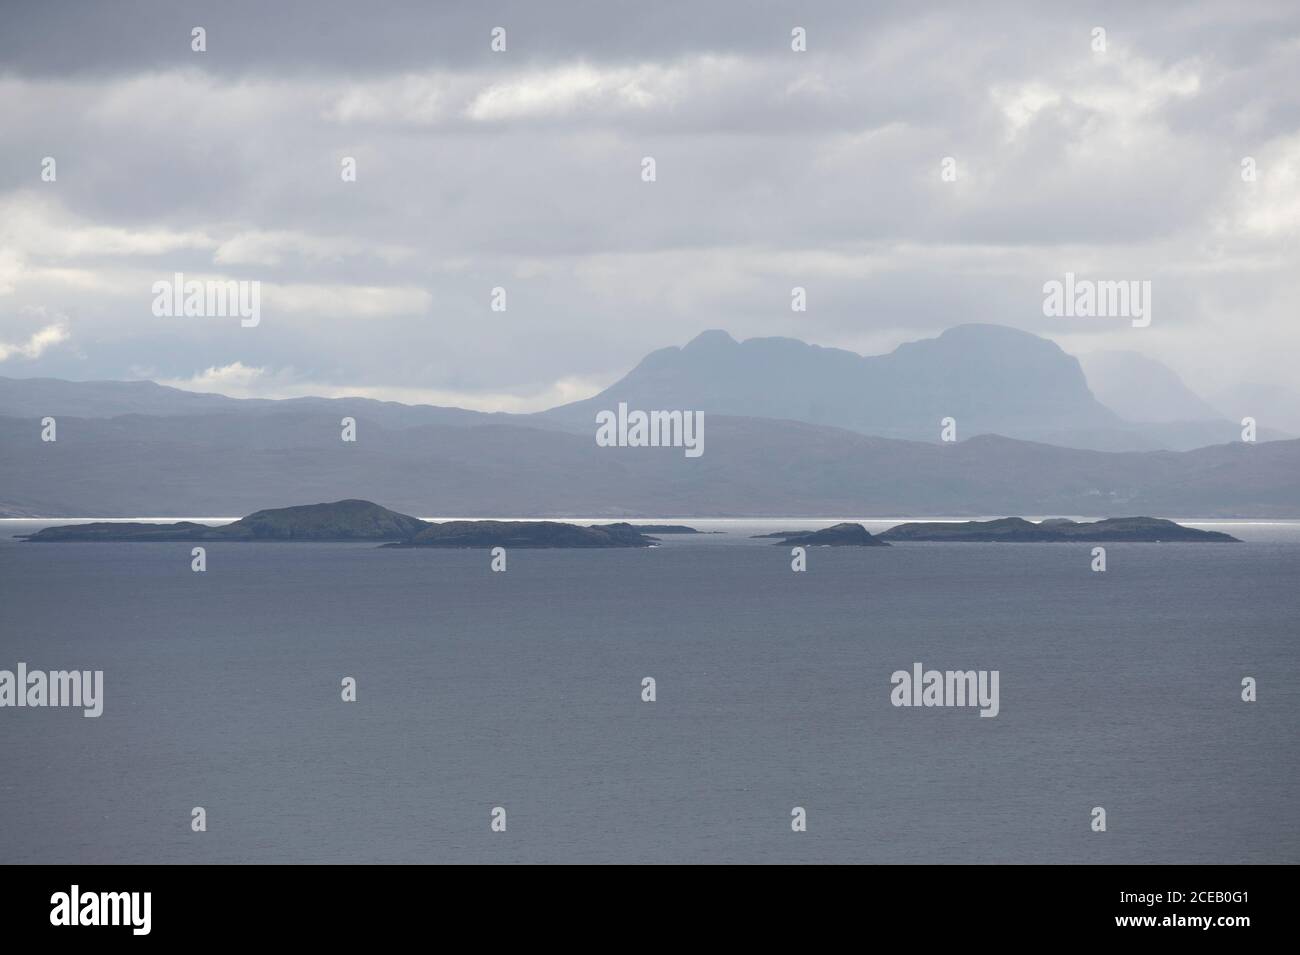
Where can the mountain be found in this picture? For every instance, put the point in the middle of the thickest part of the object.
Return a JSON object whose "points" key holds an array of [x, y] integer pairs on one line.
{"points": [[989, 378], [1055, 530], [1141, 389], [228, 464], [131, 448]]}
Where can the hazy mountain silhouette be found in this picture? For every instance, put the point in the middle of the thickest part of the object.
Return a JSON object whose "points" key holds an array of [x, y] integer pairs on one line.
{"points": [[989, 378], [1141, 389], [141, 449]]}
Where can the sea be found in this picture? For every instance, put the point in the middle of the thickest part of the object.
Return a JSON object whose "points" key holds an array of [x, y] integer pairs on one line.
{"points": [[503, 716]]}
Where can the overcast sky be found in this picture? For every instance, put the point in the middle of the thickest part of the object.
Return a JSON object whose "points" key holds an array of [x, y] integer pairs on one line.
{"points": [[522, 169]]}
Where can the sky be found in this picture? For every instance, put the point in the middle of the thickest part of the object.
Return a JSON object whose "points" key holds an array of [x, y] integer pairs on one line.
{"points": [[522, 169]]}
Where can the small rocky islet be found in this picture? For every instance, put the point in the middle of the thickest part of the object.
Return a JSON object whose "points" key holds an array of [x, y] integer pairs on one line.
{"points": [[837, 535]]}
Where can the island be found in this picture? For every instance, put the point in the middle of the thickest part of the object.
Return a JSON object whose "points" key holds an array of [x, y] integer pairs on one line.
{"points": [[662, 528], [354, 520], [525, 534], [837, 535], [1054, 530]]}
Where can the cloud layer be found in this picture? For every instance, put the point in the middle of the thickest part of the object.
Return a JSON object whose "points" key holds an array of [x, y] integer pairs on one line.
{"points": [[522, 170]]}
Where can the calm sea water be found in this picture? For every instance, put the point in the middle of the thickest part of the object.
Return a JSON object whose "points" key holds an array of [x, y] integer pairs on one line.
{"points": [[522, 690]]}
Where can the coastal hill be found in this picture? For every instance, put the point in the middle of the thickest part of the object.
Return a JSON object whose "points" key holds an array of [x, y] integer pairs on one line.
{"points": [[350, 520], [1016, 529], [837, 535], [355, 520], [340, 521], [228, 464], [122, 531]]}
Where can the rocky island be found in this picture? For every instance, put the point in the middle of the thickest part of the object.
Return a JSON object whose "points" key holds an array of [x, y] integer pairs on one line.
{"points": [[355, 520], [524, 534], [662, 528], [1017, 529], [837, 535]]}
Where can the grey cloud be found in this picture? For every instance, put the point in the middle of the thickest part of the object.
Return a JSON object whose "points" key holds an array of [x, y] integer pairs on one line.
{"points": [[775, 169]]}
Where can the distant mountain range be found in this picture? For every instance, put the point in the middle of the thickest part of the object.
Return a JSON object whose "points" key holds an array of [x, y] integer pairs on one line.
{"points": [[137, 448], [988, 378], [225, 465]]}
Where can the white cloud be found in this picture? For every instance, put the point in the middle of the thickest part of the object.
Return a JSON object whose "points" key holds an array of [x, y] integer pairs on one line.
{"points": [[37, 343], [776, 169], [1269, 207], [237, 380], [1021, 104], [42, 227], [564, 89], [577, 89], [416, 98]]}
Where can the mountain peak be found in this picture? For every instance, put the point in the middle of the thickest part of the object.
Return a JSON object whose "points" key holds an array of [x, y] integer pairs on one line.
{"points": [[711, 339]]}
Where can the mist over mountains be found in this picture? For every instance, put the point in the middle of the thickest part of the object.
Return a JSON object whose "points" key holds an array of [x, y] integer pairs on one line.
{"points": [[1141, 389], [791, 430], [989, 378]]}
